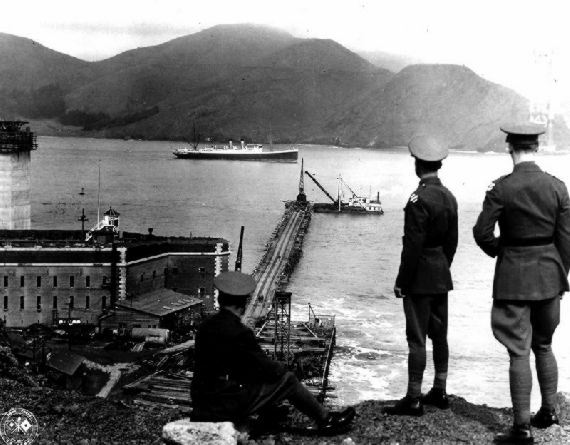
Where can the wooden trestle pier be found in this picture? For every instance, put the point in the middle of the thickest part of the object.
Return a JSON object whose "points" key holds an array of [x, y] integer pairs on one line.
{"points": [[283, 251]]}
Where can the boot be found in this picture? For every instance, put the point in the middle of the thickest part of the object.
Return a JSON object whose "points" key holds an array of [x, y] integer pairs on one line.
{"points": [[544, 418], [518, 434], [408, 406], [436, 397], [337, 422]]}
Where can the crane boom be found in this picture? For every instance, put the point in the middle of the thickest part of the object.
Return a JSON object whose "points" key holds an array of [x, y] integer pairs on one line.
{"points": [[347, 186], [320, 186]]}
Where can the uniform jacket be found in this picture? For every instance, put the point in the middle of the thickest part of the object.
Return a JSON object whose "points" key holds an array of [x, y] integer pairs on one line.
{"points": [[230, 367], [430, 239], [532, 209]]}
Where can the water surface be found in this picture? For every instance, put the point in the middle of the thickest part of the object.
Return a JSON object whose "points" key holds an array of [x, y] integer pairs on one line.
{"points": [[349, 262]]}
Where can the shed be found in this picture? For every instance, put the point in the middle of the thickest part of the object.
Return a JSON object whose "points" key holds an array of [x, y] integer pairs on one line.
{"points": [[161, 308], [66, 368]]}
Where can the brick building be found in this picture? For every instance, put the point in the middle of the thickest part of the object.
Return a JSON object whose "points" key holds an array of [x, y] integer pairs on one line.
{"points": [[48, 275]]}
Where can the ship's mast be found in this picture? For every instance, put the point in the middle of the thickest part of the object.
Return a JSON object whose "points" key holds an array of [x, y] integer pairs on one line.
{"points": [[302, 179], [338, 190], [301, 197]]}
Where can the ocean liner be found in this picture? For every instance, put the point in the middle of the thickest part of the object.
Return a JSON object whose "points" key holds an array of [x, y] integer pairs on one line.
{"points": [[242, 152]]}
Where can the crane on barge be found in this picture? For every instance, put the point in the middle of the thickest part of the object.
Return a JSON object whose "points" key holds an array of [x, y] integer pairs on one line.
{"points": [[355, 204]]}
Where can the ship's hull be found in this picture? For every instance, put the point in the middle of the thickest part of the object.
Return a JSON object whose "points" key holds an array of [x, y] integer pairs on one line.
{"points": [[324, 207], [239, 155]]}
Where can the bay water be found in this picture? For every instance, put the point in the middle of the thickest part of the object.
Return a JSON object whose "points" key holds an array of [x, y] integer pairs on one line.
{"points": [[349, 262]]}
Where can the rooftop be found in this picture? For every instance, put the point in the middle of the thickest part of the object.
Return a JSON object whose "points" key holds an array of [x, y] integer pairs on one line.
{"points": [[160, 302], [65, 362], [76, 238]]}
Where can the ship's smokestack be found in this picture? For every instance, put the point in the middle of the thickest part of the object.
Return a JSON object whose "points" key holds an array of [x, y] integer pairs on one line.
{"points": [[231, 144], [242, 142]]}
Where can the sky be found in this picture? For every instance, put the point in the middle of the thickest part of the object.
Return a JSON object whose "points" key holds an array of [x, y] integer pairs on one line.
{"points": [[522, 44]]}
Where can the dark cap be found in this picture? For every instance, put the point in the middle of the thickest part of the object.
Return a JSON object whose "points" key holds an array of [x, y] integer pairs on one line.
{"points": [[235, 283], [523, 134], [427, 148]]}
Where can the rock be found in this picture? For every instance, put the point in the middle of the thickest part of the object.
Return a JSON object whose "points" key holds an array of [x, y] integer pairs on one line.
{"points": [[185, 432]]}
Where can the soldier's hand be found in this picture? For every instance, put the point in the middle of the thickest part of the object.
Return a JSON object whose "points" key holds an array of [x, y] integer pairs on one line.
{"points": [[398, 292]]}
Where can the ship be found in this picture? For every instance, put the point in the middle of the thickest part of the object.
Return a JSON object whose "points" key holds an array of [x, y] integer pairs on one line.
{"points": [[242, 152], [354, 204]]}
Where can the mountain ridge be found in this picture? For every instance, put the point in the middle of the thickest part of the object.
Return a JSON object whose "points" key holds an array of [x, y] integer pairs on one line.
{"points": [[234, 81]]}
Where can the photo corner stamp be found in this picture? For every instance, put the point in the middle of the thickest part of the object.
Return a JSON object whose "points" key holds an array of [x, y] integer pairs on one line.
{"points": [[18, 427]]}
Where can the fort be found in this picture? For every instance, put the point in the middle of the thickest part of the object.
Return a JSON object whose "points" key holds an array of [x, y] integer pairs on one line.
{"points": [[48, 276]]}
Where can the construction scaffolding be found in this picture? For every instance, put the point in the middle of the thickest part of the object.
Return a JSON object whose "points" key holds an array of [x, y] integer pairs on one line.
{"points": [[14, 139], [282, 314]]}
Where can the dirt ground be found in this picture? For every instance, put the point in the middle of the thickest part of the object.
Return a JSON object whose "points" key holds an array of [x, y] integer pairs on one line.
{"points": [[68, 418]]}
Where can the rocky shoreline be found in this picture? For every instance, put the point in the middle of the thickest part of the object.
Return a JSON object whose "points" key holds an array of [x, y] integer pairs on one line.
{"points": [[65, 417]]}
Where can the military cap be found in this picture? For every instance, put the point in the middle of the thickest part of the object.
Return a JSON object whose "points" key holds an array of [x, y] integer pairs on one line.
{"points": [[235, 283], [523, 134], [427, 148]]}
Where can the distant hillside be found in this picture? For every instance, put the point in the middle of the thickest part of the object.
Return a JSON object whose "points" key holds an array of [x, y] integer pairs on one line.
{"points": [[34, 79], [28, 65], [392, 62], [318, 56], [448, 100], [234, 81]]}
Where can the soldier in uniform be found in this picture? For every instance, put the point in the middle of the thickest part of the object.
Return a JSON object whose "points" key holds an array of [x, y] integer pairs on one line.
{"points": [[234, 378], [424, 278], [532, 209]]}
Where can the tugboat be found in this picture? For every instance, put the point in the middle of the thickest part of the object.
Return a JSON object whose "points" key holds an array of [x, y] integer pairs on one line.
{"points": [[243, 152], [354, 204]]}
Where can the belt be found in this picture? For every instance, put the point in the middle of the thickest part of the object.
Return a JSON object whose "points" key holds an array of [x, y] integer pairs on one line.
{"points": [[521, 242]]}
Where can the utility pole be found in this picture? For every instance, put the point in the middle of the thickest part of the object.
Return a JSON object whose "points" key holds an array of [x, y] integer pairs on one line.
{"points": [[83, 218], [69, 324], [239, 252]]}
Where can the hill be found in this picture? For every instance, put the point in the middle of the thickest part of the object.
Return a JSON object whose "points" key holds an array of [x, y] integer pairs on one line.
{"points": [[34, 78], [449, 100], [392, 62], [234, 81]]}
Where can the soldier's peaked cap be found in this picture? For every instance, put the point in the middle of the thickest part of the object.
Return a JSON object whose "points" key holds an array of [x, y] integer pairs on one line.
{"points": [[523, 134], [427, 148], [235, 283]]}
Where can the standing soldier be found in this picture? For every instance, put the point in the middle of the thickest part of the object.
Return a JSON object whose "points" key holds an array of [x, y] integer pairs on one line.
{"points": [[424, 279], [532, 209]]}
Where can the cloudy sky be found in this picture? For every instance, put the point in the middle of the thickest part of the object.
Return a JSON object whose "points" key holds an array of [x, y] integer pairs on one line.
{"points": [[522, 44]]}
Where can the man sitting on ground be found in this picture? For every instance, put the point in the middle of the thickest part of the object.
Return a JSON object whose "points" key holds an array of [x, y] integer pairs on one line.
{"points": [[234, 378]]}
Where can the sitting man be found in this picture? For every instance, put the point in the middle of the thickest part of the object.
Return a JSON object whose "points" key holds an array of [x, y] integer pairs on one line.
{"points": [[234, 378]]}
